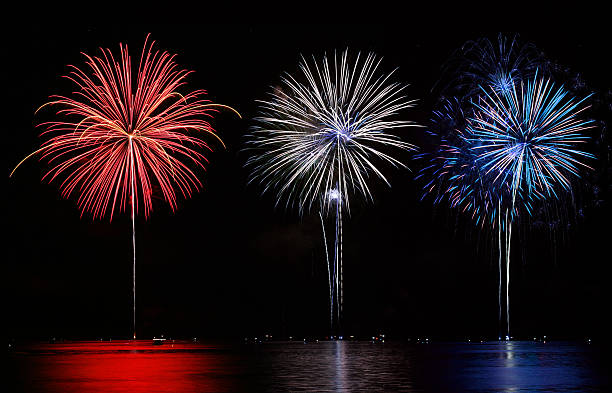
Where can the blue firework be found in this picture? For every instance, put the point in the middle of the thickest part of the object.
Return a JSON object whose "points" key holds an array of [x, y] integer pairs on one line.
{"points": [[495, 63], [453, 173], [510, 142], [507, 150], [529, 141]]}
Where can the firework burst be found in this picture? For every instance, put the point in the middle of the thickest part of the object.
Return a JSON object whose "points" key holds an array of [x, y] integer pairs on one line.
{"points": [[529, 140], [509, 150], [318, 141], [321, 137], [495, 63], [120, 134]]}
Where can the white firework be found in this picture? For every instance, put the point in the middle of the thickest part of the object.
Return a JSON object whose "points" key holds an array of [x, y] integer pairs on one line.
{"points": [[319, 140], [326, 135]]}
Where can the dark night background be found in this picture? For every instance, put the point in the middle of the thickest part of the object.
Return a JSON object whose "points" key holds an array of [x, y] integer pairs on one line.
{"points": [[227, 264]]}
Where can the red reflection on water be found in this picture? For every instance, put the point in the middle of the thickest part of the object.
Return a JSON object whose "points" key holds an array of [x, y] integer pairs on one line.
{"points": [[123, 366]]}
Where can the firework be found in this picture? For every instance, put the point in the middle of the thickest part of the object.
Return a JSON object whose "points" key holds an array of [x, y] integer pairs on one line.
{"points": [[318, 141], [120, 135], [511, 150], [497, 64], [530, 139]]}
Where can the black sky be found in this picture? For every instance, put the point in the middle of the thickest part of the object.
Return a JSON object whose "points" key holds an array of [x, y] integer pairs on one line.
{"points": [[228, 264]]}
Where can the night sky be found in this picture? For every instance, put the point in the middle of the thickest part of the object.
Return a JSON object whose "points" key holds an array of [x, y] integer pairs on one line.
{"points": [[228, 264]]}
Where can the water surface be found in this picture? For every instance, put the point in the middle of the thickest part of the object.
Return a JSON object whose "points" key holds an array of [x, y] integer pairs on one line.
{"points": [[126, 366]]}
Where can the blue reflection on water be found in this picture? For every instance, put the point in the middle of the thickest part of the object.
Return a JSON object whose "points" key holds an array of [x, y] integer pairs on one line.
{"points": [[511, 366]]}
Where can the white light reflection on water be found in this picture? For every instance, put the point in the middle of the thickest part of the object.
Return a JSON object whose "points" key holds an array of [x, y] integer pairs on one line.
{"points": [[340, 367]]}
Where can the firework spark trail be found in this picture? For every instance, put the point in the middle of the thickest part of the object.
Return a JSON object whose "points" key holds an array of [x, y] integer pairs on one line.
{"points": [[338, 259], [340, 267], [133, 216], [329, 273], [120, 136], [325, 136], [499, 242], [517, 148], [508, 244]]}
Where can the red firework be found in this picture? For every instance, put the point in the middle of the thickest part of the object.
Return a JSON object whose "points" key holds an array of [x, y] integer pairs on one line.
{"points": [[119, 136]]}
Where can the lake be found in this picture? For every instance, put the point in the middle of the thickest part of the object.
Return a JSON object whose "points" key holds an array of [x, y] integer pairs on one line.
{"points": [[325, 366]]}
